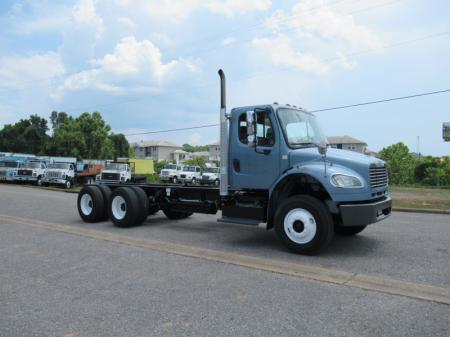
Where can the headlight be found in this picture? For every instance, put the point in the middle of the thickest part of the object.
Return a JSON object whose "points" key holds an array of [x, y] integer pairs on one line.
{"points": [[343, 180]]}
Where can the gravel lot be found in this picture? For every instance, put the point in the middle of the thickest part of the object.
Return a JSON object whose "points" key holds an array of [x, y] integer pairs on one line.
{"points": [[58, 284]]}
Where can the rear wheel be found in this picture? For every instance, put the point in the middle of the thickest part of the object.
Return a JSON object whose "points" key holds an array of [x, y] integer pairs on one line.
{"points": [[124, 207], [348, 231], [91, 204], [106, 192], [303, 224], [143, 206]]}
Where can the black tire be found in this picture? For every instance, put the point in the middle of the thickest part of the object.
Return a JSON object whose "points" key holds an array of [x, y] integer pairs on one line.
{"points": [[321, 221], [348, 231], [129, 207], [144, 204], [68, 184], [92, 206], [217, 182], [194, 181], [175, 180], [106, 191], [39, 181], [174, 215]]}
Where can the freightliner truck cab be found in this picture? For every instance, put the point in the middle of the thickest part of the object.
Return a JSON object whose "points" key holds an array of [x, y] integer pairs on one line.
{"points": [[276, 170]]}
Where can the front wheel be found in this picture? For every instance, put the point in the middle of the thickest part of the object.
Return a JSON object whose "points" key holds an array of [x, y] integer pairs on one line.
{"points": [[303, 224], [348, 231], [39, 181], [68, 184], [175, 180], [194, 181]]}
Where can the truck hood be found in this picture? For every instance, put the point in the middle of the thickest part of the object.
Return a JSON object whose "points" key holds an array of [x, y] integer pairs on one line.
{"points": [[112, 171], [355, 161]]}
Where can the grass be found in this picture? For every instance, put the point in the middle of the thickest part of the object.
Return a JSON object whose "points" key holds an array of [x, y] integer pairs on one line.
{"points": [[420, 197]]}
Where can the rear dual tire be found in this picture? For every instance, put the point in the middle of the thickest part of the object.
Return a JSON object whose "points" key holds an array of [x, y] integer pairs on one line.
{"points": [[92, 203], [129, 206]]}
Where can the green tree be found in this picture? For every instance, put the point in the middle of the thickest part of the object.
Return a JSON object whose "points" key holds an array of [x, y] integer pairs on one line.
{"points": [[121, 147], [27, 135], [160, 165], [199, 161], [67, 140], [194, 148], [400, 163]]}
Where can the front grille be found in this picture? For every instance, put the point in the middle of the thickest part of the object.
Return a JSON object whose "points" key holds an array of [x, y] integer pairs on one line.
{"points": [[205, 177], [53, 174], [183, 176], [378, 176], [25, 172], [110, 176], [164, 173]]}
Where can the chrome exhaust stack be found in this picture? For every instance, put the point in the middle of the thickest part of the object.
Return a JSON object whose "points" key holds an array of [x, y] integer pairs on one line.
{"points": [[224, 141]]}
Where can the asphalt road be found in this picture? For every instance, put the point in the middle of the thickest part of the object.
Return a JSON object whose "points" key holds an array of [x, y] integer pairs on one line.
{"points": [[59, 284]]}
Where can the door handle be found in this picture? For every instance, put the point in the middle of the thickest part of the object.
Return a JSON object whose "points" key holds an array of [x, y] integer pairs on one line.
{"points": [[236, 165]]}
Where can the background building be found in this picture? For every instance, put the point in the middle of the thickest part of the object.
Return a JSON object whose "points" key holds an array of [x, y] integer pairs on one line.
{"points": [[157, 150], [347, 143]]}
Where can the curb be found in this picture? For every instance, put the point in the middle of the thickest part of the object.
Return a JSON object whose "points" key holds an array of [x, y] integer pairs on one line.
{"points": [[420, 210]]}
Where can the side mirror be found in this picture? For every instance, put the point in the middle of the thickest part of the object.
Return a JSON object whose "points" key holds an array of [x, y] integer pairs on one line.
{"points": [[322, 148], [251, 129]]}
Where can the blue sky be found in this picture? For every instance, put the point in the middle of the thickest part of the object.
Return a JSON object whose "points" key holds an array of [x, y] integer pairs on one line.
{"points": [[152, 64]]}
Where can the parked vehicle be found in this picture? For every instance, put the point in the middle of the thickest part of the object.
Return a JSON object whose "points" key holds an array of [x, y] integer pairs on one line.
{"points": [[87, 172], [210, 176], [275, 169], [59, 174], [190, 174], [9, 168], [140, 168], [171, 173], [32, 171], [115, 172]]}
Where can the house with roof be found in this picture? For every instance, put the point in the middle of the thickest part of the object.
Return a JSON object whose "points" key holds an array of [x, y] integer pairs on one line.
{"points": [[158, 150], [347, 143], [214, 151]]}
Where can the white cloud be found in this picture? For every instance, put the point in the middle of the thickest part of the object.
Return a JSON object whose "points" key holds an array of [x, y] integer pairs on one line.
{"points": [[317, 19], [19, 72], [195, 138], [228, 40], [126, 22], [172, 10], [84, 13], [281, 52], [132, 66], [240, 7]]}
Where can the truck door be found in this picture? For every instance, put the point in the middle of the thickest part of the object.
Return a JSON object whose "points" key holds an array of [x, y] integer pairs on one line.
{"points": [[250, 167]]}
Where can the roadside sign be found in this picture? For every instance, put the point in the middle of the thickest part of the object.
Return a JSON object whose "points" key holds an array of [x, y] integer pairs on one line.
{"points": [[446, 132]]}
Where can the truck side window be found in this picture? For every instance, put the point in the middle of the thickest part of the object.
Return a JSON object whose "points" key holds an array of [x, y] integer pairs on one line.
{"points": [[242, 124], [264, 130]]}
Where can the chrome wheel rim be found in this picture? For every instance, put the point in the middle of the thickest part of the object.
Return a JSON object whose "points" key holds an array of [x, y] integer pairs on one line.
{"points": [[119, 207], [300, 226], [86, 204]]}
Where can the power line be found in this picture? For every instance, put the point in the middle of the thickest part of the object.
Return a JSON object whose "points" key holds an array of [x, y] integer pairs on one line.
{"points": [[312, 111], [172, 130], [383, 100]]}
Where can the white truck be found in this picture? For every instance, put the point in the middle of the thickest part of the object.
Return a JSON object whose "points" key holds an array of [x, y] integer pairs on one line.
{"points": [[32, 171], [171, 173], [115, 173], [191, 174], [59, 174], [210, 176]]}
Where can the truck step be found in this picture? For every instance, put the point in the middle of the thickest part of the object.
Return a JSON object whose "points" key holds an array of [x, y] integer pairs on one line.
{"points": [[240, 221]]}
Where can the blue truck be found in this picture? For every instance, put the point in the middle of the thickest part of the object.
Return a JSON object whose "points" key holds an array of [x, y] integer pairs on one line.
{"points": [[275, 170]]}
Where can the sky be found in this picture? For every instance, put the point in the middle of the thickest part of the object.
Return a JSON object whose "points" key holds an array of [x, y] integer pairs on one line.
{"points": [[151, 65]]}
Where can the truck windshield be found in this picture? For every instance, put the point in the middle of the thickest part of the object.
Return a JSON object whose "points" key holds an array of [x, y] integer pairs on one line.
{"points": [[60, 166], [300, 128], [171, 167], [211, 169], [33, 165], [189, 168], [116, 166], [11, 164]]}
